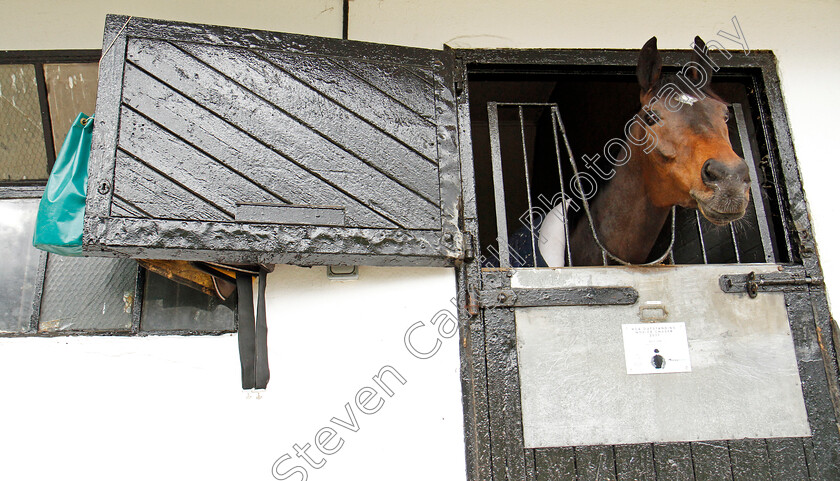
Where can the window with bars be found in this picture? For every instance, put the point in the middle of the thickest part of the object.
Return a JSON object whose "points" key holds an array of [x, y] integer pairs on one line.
{"points": [[527, 129], [44, 294]]}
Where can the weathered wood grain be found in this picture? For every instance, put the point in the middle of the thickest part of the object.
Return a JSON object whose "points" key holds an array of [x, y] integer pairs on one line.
{"points": [[237, 149], [595, 463], [711, 460], [400, 119], [555, 464], [673, 461], [787, 459], [186, 166], [508, 453], [330, 120], [146, 193], [408, 85], [634, 462], [265, 122], [749, 460]]}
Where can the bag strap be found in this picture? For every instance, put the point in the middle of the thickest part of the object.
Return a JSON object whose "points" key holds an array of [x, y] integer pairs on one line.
{"points": [[253, 336]]}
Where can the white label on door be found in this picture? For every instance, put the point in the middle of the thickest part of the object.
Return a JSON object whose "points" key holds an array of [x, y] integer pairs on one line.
{"points": [[656, 348]]}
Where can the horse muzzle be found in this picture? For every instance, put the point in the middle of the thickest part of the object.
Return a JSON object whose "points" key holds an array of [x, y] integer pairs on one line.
{"points": [[718, 217], [729, 191]]}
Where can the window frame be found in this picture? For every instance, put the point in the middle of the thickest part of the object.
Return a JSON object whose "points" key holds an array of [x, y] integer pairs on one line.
{"points": [[34, 189], [38, 58]]}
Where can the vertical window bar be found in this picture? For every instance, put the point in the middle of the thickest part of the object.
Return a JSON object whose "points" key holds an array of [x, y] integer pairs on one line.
{"points": [[700, 232], [555, 112], [41, 82], [528, 185], [735, 243], [755, 188], [137, 307], [39, 293], [498, 184]]}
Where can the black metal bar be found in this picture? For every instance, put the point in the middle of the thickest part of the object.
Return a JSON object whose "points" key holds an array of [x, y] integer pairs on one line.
{"points": [[564, 296], [345, 20], [787, 281], [46, 120], [755, 188], [137, 308], [498, 184], [555, 112], [528, 185], [38, 295], [49, 56]]}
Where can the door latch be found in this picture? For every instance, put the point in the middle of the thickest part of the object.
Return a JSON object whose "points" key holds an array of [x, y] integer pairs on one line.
{"points": [[752, 283]]}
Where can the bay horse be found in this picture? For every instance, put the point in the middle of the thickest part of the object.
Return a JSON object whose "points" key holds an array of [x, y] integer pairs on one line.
{"points": [[691, 165]]}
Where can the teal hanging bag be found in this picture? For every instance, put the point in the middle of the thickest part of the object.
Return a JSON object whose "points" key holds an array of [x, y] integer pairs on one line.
{"points": [[61, 214]]}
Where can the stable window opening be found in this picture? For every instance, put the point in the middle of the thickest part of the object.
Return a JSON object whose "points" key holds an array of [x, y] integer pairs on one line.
{"points": [[535, 134]]}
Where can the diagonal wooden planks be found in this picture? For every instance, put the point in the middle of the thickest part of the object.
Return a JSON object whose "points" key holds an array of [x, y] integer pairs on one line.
{"points": [[400, 119], [144, 192], [237, 149], [295, 141], [332, 121]]}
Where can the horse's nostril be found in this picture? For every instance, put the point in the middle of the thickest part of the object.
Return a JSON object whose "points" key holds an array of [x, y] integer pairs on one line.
{"points": [[711, 171], [715, 171], [742, 172]]}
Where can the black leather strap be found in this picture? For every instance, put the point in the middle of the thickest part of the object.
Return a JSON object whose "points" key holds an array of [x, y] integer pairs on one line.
{"points": [[253, 336], [245, 307], [261, 338]]}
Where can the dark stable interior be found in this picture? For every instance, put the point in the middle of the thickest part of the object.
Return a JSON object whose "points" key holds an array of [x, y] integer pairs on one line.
{"points": [[594, 108]]}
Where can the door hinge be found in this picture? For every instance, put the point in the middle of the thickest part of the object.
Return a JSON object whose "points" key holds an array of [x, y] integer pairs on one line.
{"points": [[752, 283], [566, 296], [469, 250]]}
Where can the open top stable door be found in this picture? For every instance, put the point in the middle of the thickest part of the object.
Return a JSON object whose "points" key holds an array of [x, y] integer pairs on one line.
{"points": [[225, 144], [717, 363]]}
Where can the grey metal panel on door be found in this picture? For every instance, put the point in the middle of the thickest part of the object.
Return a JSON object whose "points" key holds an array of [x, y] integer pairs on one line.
{"points": [[194, 121], [744, 380]]}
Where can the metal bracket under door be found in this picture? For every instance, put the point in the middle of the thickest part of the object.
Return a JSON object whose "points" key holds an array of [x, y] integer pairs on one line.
{"points": [[752, 283]]}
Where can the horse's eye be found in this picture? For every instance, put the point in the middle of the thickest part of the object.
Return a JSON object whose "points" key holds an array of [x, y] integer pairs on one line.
{"points": [[649, 118], [726, 116]]}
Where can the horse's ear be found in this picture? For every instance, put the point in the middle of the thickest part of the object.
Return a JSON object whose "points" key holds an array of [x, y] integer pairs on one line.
{"points": [[693, 74], [649, 68]]}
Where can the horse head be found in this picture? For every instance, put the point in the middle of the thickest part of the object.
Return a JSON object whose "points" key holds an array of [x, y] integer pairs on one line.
{"points": [[692, 163]]}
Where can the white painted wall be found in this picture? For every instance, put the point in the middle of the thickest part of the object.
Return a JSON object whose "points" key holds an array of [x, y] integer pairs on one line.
{"points": [[100, 408], [171, 407]]}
